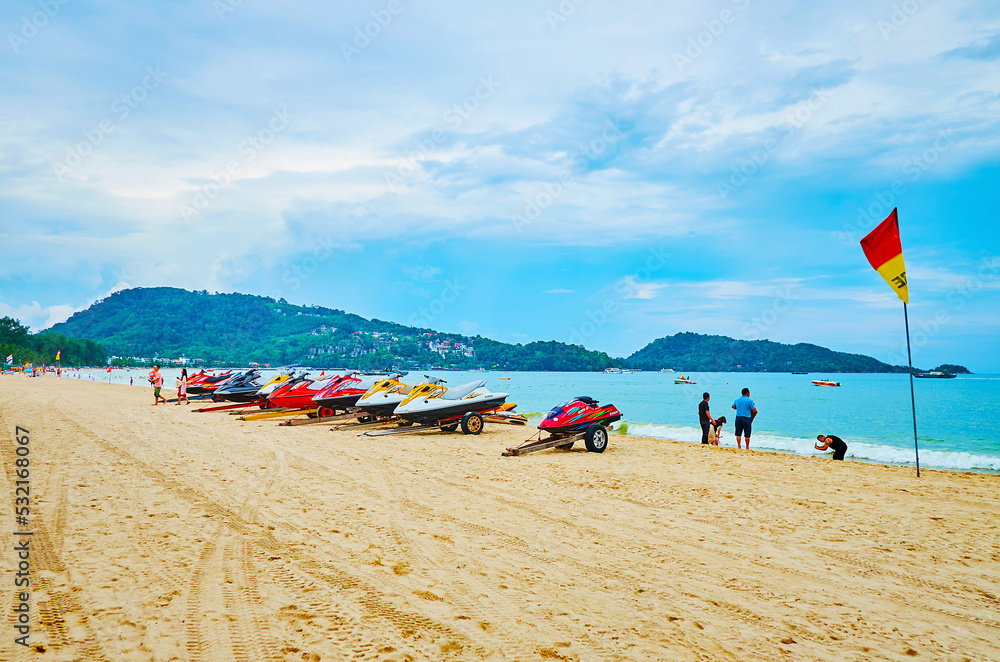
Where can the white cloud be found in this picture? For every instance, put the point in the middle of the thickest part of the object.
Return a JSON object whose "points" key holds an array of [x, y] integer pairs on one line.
{"points": [[37, 317]]}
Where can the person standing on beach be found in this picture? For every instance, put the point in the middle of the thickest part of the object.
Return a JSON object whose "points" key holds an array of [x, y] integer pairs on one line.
{"points": [[746, 411], [156, 379], [182, 387], [838, 445], [705, 417]]}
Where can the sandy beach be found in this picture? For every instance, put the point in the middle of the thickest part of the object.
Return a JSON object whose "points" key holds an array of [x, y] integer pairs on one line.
{"points": [[162, 534]]}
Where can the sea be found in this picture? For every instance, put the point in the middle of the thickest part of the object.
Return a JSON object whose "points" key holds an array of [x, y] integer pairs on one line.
{"points": [[871, 412]]}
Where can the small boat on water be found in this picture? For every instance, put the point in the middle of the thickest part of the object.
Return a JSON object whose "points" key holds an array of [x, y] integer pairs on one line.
{"points": [[800, 373], [824, 382], [684, 380], [934, 375]]}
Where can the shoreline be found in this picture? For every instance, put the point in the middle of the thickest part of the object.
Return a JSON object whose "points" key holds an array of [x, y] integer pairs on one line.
{"points": [[806, 443], [164, 531]]}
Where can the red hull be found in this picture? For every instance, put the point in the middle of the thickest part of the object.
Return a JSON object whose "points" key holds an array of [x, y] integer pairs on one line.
{"points": [[578, 414]]}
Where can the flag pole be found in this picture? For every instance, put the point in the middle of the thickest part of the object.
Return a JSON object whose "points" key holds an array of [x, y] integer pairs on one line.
{"points": [[913, 400]]}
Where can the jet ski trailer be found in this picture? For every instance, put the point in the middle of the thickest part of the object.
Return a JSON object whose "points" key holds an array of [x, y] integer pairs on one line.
{"points": [[581, 418]]}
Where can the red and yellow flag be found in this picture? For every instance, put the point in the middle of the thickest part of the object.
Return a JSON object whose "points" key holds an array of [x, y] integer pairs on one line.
{"points": [[885, 252]]}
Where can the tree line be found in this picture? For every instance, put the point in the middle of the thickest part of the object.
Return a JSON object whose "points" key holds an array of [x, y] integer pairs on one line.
{"points": [[41, 348]]}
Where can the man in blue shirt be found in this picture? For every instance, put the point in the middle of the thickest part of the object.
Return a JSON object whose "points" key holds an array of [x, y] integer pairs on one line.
{"points": [[746, 411]]}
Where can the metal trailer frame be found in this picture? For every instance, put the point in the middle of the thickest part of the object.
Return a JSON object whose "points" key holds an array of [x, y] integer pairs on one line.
{"points": [[554, 440]]}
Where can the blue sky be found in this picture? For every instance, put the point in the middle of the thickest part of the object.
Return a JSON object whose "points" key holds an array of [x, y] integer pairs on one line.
{"points": [[585, 171]]}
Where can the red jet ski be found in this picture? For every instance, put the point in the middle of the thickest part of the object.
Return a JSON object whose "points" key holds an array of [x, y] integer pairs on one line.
{"points": [[567, 423], [296, 393], [206, 382], [343, 391], [578, 414]]}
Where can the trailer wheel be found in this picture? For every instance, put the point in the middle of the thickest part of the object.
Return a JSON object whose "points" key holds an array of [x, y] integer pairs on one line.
{"points": [[404, 424], [450, 427], [566, 446], [217, 398], [325, 412], [596, 438], [365, 418], [472, 423]]}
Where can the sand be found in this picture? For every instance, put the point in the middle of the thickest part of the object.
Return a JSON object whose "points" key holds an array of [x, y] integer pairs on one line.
{"points": [[162, 534]]}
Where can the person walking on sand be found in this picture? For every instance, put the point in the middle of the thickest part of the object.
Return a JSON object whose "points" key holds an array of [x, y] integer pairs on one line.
{"points": [[182, 387], [156, 379], [829, 441], [746, 411], [705, 417]]}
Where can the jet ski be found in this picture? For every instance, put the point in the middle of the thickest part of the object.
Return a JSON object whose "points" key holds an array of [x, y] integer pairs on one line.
{"points": [[206, 382], [381, 400], [296, 393], [578, 414], [344, 391], [235, 379], [275, 382], [242, 388], [567, 423], [436, 403]]}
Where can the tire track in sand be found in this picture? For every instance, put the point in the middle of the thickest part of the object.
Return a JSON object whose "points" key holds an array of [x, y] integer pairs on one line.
{"points": [[60, 611], [696, 641], [337, 582]]}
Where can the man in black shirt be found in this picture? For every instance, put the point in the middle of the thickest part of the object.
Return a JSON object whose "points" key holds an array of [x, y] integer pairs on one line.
{"points": [[832, 441], [705, 418]]}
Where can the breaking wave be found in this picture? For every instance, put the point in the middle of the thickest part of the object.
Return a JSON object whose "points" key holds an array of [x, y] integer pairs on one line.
{"points": [[857, 450]]}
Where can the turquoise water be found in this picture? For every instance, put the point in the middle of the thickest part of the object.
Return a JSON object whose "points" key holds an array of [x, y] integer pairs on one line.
{"points": [[955, 417], [870, 412]]}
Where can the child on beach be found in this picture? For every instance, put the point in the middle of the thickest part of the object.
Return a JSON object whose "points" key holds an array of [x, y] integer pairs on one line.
{"points": [[716, 433]]}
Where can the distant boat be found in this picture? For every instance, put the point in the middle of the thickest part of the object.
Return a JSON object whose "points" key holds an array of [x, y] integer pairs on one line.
{"points": [[800, 373], [825, 382], [934, 375], [612, 371], [666, 369]]}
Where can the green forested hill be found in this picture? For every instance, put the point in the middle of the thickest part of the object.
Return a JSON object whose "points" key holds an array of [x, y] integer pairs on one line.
{"points": [[700, 353], [237, 329]]}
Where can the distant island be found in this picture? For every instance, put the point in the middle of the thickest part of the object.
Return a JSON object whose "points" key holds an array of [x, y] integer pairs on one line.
{"points": [[179, 327], [694, 352]]}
